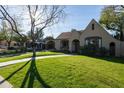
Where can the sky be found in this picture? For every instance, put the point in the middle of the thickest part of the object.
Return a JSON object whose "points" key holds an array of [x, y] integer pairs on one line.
{"points": [[77, 17]]}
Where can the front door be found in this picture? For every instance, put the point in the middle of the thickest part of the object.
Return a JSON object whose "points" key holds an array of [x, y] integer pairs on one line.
{"points": [[112, 49]]}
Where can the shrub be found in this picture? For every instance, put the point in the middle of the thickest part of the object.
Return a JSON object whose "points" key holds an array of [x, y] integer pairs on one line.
{"points": [[11, 48], [103, 51], [93, 51], [8, 52]]}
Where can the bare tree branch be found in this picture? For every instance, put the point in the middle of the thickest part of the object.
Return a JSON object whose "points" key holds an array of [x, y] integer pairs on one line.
{"points": [[10, 20]]}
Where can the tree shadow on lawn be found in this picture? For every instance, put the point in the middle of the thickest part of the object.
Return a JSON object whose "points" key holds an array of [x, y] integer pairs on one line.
{"points": [[31, 75], [14, 72]]}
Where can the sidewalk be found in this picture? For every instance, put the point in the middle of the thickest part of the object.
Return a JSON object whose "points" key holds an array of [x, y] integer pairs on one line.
{"points": [[6, 84], [2, 64]]}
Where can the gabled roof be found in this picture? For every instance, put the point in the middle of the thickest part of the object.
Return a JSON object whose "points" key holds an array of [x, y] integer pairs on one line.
{"points": [[64, 35], [103, 29], [67, 35], [92, 21]]}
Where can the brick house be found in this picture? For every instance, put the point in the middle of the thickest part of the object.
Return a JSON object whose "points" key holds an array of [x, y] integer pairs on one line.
{"points": [[94, 34]]}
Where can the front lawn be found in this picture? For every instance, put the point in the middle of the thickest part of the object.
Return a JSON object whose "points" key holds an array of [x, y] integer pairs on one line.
{"points": [[68, 72], [27, 55]]}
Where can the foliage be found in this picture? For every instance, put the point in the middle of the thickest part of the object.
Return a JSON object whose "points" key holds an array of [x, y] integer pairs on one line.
{"points": [[21, 41], [1, 36], [113, 19], [7, 33], [39, 35], [48, 38], [7, 52], [93, 51]]}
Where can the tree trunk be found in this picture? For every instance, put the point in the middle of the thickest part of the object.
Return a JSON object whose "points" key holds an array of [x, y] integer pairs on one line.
{"points": [[8, 44], [34, 50]]}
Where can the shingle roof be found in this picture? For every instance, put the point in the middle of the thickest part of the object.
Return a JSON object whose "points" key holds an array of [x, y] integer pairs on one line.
{"points": [[67, 35], [64, 35]]}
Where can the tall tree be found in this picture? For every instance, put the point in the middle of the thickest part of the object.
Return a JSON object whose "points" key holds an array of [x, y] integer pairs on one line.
{"points": [[48, 38], [1, 36], [43, 17], [39, 36], [7, 33], [12, 21], [112, 18], [40, 17]]}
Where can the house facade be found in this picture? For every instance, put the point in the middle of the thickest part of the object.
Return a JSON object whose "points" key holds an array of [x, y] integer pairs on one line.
{"points": [[93, 34], [4, 44], [15, 45]]}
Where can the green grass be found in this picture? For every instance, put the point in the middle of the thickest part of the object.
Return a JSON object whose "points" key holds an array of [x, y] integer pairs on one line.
{"points": [[70, 72], [27, 55]]}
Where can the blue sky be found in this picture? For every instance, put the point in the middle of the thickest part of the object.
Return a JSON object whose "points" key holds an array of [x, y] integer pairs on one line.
{"points": [[77, 17]]}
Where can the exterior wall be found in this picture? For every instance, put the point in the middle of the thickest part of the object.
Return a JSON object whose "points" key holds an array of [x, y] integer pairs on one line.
{"points": [[70, 45], [57, 45], [75, 35], [3, 44], [100, 32], [122, 49]]}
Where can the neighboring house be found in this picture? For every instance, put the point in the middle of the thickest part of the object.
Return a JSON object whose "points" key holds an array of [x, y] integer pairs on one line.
{"points": [[14, 45], [38, 45], [93, 34], [4, 45]]}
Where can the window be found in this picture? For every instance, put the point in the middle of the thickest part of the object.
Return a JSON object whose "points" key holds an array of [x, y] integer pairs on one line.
{"points": [[93, 27], [64, 44], [15, 44], [93, 41]]}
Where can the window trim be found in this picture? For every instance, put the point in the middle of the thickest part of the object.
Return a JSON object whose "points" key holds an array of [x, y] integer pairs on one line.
{"points": [[96, 37]]}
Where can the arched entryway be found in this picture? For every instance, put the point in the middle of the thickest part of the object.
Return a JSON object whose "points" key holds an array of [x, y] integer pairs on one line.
{"points": [[50, 45], [64, 45], [112, 48], [75, 45]]}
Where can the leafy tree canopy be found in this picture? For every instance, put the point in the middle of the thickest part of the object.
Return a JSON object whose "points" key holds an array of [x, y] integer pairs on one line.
{"points": [[112, 18]]}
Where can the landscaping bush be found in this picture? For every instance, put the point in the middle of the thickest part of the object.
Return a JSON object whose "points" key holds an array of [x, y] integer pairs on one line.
{"points": [[93, 51], [103, 51], [8, 52], [23, 49], [12, 51], [65, 51], [11, 48]]}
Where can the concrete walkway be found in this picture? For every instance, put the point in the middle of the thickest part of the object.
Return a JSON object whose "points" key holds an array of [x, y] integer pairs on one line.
{"points": [[2, 64], [6, 84]]}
